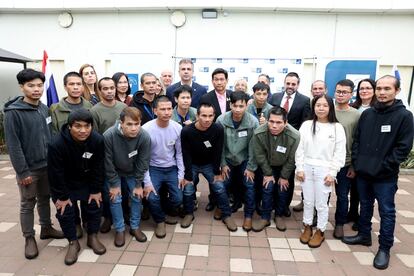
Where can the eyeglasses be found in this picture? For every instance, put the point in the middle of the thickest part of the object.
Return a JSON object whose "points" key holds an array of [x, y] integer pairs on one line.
{"points": [[342, 92]]}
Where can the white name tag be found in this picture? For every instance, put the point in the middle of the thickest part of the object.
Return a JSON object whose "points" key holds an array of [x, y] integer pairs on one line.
{"points": [[207, 144], [87, 155], [281, 149], [48, 120], [171, 143], [243, 133], [132, 153], [386, 128]]}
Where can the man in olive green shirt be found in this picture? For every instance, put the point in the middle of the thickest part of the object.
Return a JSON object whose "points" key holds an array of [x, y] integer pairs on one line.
{"points": [[274, 146]]}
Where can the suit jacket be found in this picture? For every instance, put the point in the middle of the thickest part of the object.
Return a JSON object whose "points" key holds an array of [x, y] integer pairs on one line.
{"points": [[300, 110], [198, 92], [211, 98]]}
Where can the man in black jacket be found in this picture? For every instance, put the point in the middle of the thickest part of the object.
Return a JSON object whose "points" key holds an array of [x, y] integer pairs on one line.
{"points": [[383, 139], [144, 99], [27, 126], [76, 172]]}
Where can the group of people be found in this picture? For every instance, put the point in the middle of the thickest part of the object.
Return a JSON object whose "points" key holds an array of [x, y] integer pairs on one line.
{"points": [[121, 155]]}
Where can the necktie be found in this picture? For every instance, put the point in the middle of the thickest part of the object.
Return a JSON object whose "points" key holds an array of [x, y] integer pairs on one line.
{"points": [[286, 105]]}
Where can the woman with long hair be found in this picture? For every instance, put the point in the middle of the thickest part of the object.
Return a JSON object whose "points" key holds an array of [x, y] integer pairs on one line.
{"points": [[123, 89], [160, 91], [90, 83], [365, 96], [319, 157]]}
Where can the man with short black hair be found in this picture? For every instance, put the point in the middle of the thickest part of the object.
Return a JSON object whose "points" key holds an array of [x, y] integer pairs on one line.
{"points": [[274, 145], [27, 131], [76, 172], [144, 99], [186, 71], [382, 141], [127, 155], [237, 161], [183, 112]]}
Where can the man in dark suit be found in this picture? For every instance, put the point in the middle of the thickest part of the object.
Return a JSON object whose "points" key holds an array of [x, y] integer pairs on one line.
{"points": [[298, 108], [186, 70], [219, 97]]}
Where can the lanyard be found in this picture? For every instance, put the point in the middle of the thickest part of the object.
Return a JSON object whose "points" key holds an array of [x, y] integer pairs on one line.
{"points": [[149, 111]]}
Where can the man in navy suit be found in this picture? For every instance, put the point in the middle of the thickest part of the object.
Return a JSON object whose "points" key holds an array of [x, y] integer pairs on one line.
{"points": [[186, 70], [219, 97], [298, 108]]}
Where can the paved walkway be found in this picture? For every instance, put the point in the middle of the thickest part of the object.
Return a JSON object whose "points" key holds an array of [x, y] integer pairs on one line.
{"points": [[207, 248]]}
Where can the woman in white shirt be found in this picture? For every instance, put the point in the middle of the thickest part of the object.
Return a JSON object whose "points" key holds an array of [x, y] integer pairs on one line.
{"points": [[319, 157]]}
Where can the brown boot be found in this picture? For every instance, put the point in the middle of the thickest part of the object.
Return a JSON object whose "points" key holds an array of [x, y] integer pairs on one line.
{"points": [[217, 214], [187, 220], [247, 224], [260, 225], [299, 207], [280, 223], [317, 239], [97, 247], [160, 231], [106, 225], [48, 232], [138, 234], [72, 253], [230, 223], [119, 239], [306, 235], [30, 248]]}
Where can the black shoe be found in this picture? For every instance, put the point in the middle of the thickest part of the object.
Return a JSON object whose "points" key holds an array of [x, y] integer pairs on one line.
{"points": [[382, 259], [357, 239], [287, 212], [236, 206], [355, 226], [209, 207]]}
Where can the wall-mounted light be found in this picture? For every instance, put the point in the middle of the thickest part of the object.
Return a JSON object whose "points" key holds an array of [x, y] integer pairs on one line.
{"points": [[209, 13]]}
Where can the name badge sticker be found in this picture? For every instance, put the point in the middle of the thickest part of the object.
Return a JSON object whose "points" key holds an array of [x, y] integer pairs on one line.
{"points": [[242, 133], [281, 149], [48, 120], [207, 144], [386, 128], [132, 153], [171, 143], [87, 155]]}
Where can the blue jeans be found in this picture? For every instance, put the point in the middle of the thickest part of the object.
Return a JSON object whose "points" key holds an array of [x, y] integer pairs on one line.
{"points": [[219, 188], [268, 196], [342, 188], [384, 192], [237, 172], [116, 206], [169, 178]]}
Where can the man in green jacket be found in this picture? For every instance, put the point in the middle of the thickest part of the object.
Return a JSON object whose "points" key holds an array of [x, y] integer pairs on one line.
{"points": [[238, 164], [274, 146]]}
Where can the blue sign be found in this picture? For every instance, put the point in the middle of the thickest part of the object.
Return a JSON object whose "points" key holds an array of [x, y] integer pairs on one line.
{"points": [[341, 69], [133, 82]]}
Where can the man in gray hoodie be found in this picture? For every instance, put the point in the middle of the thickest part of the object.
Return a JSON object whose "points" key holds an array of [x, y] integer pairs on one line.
{"points": [[27, 130], [127, 156]]}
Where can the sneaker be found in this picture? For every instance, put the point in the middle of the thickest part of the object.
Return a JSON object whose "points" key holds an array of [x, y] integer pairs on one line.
{"points": [[30, 248], [187, 220], [160, 231], [231, 225]]}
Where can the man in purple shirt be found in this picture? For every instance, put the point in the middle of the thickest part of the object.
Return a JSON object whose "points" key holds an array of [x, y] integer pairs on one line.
{"points": [[166, 164]]}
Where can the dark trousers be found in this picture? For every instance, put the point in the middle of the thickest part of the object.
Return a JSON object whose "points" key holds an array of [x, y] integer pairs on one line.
{"points": [[384, 192], [270, 193], [67, 221], [342, 188]]}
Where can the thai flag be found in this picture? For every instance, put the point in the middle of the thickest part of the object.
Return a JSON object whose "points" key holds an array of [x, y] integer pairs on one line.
{"points": [[50, 95], [396, 72], [402, 95]]}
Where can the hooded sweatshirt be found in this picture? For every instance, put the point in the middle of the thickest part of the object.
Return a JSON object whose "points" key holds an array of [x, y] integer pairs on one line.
{"points": [[146, 107], [75, 166], [27, 132], [126, 156], [382, 141]]}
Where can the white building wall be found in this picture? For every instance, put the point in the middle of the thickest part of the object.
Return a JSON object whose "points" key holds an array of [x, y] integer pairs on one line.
{"points": [[145, 40]]}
